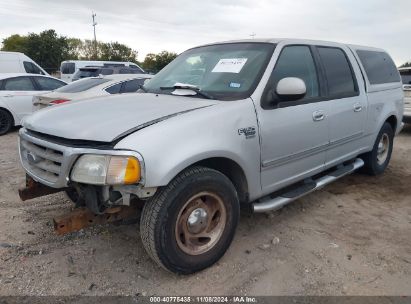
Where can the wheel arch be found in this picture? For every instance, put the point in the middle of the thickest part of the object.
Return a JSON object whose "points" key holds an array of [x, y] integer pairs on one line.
{"points": [[232, 170], [227, 166], [393, 121]]}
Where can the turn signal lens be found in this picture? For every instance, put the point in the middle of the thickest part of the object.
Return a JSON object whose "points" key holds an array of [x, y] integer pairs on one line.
{"points": [[123, 170]]}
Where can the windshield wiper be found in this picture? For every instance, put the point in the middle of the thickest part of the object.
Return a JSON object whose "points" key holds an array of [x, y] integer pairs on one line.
{"points": [[191, 87]]}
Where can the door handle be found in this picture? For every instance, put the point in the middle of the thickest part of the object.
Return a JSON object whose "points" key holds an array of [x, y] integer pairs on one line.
{"points": [[318, 115], [357, 107]]}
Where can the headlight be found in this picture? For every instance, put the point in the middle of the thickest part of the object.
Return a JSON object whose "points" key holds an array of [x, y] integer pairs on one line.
{"points": [[106, 170]]}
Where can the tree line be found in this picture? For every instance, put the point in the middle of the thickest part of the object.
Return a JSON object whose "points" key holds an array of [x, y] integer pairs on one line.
{"points": [[49, 49]]}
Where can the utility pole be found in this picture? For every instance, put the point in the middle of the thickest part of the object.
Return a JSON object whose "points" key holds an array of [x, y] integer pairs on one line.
{"points": [[252, 35], [93, 15]]}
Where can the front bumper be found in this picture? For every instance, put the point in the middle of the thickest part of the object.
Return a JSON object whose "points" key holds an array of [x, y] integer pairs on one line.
{"points": [[50, 163]]}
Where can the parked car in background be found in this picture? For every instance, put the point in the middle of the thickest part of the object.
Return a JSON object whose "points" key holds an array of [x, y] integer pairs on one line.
{"points": [[93, 71], [15, 62], [406, 80], [16, 95], [70, 67], [257, 123], [91, 87]]}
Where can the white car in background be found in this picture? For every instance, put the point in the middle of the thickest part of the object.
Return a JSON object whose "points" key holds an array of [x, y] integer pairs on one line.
{"points": [[91, 87], [16, 95], [406, 80]]}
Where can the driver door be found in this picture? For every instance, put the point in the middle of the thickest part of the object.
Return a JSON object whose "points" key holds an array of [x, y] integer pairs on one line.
{"points": [[294, 134]]}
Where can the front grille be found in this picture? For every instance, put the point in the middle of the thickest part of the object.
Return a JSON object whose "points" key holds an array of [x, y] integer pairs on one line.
{"points": [[43, 162]]}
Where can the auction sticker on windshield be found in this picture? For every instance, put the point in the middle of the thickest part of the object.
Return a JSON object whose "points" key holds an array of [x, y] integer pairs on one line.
{"points": [[229, 65]]}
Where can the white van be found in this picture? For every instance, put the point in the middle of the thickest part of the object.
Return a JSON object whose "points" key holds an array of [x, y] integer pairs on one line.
{"points": [[15, 62], [69, 67]]}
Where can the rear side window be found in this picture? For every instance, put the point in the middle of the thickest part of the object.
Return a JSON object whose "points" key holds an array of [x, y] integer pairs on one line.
{"points": [[379, 67], [114, 89], [132, 86], [68, 68], [48, 84], [18, 84], [32, 68], [82, 85], [340, 78]]}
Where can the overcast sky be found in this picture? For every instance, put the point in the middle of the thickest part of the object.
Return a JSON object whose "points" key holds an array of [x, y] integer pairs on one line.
{"points": [[175, 25]]}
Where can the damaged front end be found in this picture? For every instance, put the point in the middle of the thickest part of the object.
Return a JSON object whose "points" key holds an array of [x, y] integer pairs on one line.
{"points": [[100, 198], [94, 176]]}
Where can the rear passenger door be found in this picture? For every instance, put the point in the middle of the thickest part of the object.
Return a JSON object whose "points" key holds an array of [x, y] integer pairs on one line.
{"points": [[348, 103]]}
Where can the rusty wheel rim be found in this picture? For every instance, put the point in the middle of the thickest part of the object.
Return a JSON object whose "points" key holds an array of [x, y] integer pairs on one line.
{"points": [[200, 223]]}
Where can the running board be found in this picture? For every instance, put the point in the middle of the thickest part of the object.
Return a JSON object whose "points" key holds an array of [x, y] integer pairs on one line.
{"points": [[276, 203]]}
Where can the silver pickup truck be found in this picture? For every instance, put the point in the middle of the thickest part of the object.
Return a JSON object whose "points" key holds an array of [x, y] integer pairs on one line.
{"points": [[253, 123]]}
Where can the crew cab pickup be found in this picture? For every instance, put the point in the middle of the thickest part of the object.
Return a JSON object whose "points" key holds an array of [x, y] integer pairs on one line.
{"points": [[253, 123]]}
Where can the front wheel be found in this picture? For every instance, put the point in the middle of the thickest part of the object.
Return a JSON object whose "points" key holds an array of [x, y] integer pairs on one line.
{"points": [[376, 161], [188, 225]]}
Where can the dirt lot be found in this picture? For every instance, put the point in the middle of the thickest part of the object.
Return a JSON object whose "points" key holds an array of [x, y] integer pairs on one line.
{"points": [[352, 238]]}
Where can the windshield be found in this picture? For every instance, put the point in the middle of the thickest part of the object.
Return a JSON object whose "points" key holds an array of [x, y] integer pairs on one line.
{"points": [[224, 71], [82, 85], [406, 76]]}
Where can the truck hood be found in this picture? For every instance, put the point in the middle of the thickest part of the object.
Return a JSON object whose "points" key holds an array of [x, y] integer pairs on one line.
{"points": [[108, 118]]}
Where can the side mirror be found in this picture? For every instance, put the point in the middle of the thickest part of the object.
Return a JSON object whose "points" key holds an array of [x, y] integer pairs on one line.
{"points": [[291, 89]]}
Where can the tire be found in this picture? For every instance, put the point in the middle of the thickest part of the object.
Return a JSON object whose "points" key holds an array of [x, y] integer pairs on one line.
{"points": [[6, 121], [173, 221], [73, 195], [377, 160]]}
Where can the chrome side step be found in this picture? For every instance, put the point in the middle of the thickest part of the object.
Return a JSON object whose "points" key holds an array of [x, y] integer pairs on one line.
{"points": [[269, 204]]}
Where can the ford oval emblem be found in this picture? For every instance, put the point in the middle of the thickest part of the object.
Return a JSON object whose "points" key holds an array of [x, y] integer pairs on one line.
{"points": [[32, 158]]}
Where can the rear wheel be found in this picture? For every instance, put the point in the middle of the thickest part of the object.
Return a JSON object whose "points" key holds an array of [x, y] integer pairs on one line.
{"points": [[377, 160], [188, 225], [6, 122]]}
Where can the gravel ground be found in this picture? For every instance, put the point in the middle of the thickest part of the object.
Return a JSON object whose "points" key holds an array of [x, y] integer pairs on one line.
{"points": [[351, 238]]}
